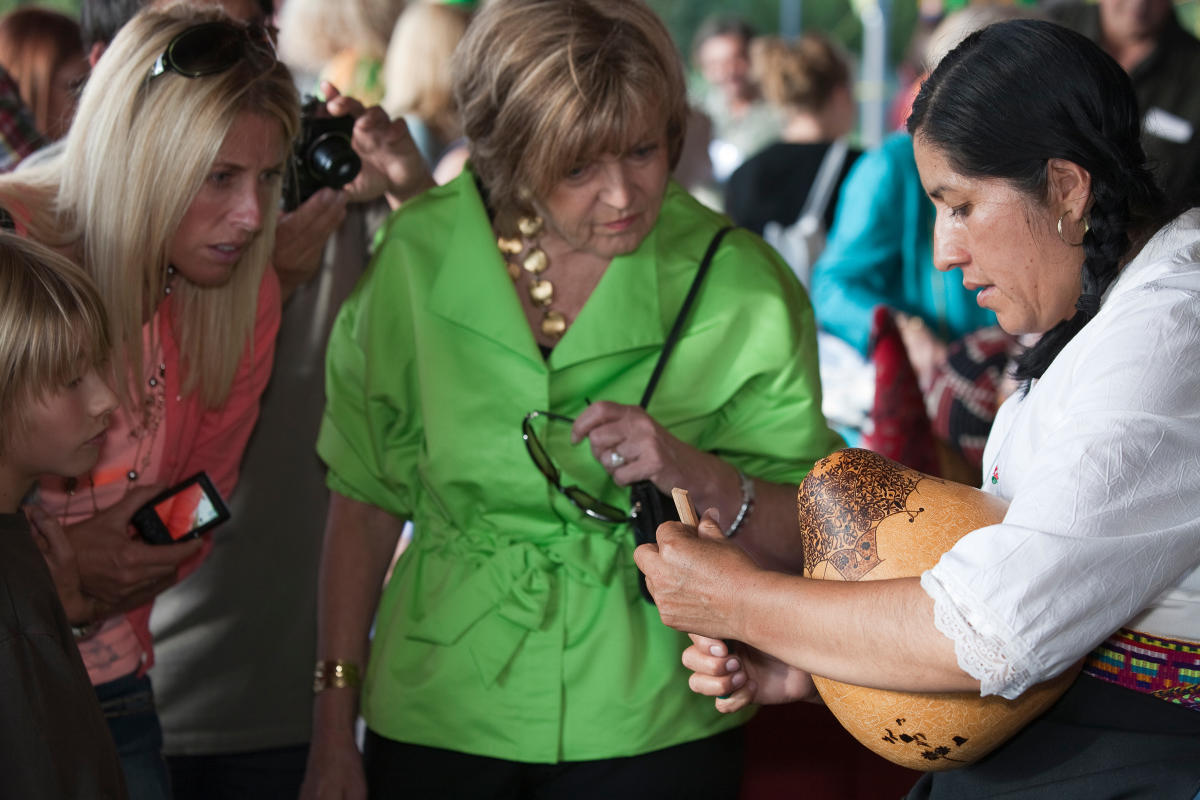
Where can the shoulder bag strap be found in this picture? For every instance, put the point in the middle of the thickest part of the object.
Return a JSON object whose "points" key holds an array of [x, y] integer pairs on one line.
{"points": [[825, 182], [681, 318]]}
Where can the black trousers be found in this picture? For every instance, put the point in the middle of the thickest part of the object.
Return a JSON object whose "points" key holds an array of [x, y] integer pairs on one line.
{"points": [[274, 774], [1098, 742], [708, 769]]}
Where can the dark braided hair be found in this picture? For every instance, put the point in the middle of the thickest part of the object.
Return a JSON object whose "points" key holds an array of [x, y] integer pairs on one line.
{"points": [[1016, 94]]}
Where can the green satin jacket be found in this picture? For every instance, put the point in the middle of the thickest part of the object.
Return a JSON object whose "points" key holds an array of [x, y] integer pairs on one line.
{"points": [[512, 626]]}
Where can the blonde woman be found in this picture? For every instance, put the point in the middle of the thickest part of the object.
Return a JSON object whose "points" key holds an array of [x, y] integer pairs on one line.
{"points": [[416, 73], [343, 42], [167, 194]]}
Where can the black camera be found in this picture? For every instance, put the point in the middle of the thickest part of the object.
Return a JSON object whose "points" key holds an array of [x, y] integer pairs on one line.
{"points": [[321, 155]]}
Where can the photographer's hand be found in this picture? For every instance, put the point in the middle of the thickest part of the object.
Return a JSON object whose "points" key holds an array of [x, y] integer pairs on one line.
{"points": [[300, 237], [392, 164]]}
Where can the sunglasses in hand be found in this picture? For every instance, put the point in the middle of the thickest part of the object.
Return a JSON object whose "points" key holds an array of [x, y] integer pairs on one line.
{"points": [[585, 502]]}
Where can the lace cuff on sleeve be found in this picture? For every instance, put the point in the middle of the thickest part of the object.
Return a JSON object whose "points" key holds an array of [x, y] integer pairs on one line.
{"points": [[999, 662]]}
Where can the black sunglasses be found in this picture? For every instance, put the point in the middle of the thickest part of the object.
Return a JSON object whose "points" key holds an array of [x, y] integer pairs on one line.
{"points": [[213, 47], [596, 509]]}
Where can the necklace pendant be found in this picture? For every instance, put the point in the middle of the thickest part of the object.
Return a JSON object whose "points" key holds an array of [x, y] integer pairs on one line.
{"points": [[554, 324], [536, 262], [541, 292], [529, 226], [510, 246]]}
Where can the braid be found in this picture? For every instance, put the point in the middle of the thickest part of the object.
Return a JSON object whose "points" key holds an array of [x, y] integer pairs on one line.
{"points": [[1120, 205], [1104, 245]]}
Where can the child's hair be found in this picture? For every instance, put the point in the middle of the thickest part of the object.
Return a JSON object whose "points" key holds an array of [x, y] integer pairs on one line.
{"points": [[51, 321]]}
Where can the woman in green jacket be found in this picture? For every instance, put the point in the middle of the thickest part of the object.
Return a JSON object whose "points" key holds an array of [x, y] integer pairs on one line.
{"points": [[512, 652]]}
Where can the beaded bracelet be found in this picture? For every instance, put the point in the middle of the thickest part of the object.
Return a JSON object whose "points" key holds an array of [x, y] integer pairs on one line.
{"points": [[747, 504]]}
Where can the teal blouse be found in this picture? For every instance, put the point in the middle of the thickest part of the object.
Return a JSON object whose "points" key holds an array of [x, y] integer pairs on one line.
{"points": [[880, 252], [513, 626]]}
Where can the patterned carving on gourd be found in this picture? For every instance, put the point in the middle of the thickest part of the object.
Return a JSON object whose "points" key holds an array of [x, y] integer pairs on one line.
{"points": [[847, 501]]}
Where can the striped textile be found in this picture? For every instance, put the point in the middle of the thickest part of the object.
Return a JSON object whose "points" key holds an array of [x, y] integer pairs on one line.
{"points": [[965, 392], [1166, 668]]}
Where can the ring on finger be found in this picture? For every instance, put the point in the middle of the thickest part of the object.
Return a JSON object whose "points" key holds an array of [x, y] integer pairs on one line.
{"points": [[615, 459]]}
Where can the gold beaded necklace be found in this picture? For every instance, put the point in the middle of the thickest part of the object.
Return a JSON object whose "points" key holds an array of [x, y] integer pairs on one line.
{"points": [[523, 256]]}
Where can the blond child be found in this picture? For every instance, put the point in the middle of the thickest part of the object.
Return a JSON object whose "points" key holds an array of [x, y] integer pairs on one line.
{"points": [[55, 403]]}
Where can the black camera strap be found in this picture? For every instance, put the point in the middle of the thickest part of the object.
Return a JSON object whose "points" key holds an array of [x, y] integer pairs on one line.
{"points": [[648, 506], [681, 318]]}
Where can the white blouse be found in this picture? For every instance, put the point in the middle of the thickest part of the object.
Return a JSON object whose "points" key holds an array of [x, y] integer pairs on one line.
{"points": [[1101, 465]]}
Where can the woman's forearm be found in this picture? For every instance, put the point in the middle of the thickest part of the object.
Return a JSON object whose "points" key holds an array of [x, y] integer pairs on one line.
{"points": [[769, 531], [360, 540], [879, 634], [869, 633]]}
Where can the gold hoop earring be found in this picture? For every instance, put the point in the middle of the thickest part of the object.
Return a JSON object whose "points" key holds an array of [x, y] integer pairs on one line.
{"points": [[1086, 228]]}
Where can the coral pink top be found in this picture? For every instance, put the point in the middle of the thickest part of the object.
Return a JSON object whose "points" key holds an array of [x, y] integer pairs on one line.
{"points": [[187, 438]]}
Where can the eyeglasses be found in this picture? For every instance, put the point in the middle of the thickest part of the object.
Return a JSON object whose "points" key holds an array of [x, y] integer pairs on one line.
{"points": [[213, 47], [596, 509]]}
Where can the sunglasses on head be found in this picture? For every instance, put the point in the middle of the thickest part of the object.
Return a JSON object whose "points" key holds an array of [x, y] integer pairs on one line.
{"points": [[596, 509], [213, 47]]}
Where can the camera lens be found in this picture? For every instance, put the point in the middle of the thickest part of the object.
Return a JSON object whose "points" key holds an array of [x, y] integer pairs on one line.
{"points": [[333, 161]]}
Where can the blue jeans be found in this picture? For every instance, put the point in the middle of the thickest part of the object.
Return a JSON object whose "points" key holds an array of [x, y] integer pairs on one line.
{"points": [[128, 706]]}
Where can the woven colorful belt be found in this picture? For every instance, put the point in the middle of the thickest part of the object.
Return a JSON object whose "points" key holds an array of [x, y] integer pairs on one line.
{"points": [[1166, 668]]}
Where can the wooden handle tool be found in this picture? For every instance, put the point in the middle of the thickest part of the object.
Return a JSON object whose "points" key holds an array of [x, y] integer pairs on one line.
{"points": [[688, 516], [683, 504]]}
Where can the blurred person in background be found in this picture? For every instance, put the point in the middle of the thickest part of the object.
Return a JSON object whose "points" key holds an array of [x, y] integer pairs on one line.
{"points": [[742, 122], [342, 42], [42, 51], [417, 75], [1162, 60], [100, 20], [808, 81], [19, 136]]}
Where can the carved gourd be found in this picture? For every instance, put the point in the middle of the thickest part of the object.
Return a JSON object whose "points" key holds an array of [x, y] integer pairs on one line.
{"points": [[864, 517]]}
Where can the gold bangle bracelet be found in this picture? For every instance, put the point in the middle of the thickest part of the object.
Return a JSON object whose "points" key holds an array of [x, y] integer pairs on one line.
{"points": [[336, 674]]}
